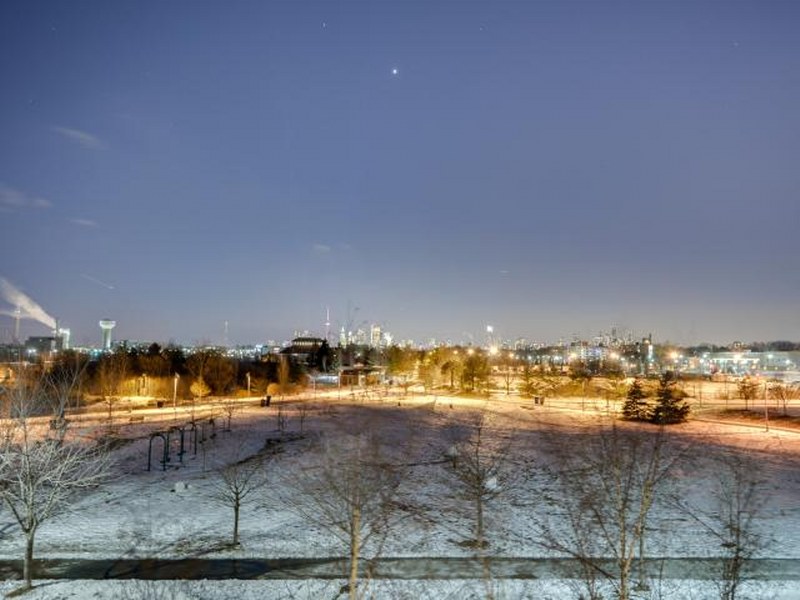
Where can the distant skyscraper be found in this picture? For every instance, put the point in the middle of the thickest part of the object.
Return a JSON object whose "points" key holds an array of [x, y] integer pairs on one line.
{"points": [[490, 339], [375, 336]]}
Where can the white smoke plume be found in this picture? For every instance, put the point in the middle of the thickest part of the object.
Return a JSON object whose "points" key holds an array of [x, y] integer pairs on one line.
{"points": [[27, 307]]}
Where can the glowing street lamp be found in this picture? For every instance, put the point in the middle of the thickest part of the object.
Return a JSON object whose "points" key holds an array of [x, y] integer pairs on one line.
{"points": [[175, 394]]}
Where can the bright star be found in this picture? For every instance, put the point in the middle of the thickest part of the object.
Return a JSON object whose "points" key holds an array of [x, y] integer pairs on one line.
{"points": [[395, 71]]}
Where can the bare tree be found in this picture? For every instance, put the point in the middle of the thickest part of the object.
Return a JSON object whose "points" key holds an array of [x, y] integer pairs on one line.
{"points": [[614, 390], [235, 485], [230, 406], [748, 389], [509, 363], [451, 366], [480, 462], [196, 363], [61, 389], [401, 365], [41, 468], [428, 371], [112, 373], [199, 389], [784, 393], [609, 481], [348, 492], [284, 375], [735, 486], [281, 420], [303, 408], [543, 384]]}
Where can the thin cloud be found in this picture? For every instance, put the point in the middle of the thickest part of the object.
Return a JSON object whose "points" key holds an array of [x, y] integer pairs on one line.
{"points": [[321, 248], [83, 138], [99, 282], [12, 200], [83, 222]]}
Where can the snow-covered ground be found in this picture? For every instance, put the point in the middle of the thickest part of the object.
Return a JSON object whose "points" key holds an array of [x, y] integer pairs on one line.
{"points": [[395, 590], [173, 513]]}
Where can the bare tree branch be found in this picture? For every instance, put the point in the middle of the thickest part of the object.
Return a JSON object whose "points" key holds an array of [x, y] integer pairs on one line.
{"points": [[348, 491], [236, 483], [41, 467]]}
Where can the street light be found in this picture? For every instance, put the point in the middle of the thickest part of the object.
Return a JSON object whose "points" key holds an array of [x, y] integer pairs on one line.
{"points": [[175, 394]]}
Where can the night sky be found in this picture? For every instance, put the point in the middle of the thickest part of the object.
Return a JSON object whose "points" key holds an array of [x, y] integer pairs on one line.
{"points": [[549, 168]]}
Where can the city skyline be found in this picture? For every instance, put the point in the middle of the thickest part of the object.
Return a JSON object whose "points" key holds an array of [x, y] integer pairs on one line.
{"points": [[548, 168], [361, 333]]}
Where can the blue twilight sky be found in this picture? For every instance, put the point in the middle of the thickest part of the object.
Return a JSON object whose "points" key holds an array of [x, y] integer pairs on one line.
{"points": [[549, 168]]}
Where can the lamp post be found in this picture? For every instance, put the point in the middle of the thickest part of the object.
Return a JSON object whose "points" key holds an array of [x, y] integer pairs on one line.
{"points": [[175, 394], [452, 368]]}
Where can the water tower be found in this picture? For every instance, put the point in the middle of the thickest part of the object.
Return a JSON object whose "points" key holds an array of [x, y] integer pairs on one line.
{"points": [[107, 325]]}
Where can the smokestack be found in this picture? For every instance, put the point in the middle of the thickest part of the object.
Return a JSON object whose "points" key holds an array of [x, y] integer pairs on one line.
{"points": [[17, 317], [57, 336]]}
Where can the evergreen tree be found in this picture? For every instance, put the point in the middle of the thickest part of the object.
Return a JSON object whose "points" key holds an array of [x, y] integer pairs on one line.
{"points": [[635, 407], [669, 409]]}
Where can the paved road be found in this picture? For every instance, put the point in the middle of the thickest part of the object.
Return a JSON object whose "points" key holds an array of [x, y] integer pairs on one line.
{"points": [[386, 568]]}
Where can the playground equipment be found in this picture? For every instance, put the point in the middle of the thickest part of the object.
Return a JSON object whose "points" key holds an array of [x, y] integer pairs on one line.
{"points": [[179, 432]]}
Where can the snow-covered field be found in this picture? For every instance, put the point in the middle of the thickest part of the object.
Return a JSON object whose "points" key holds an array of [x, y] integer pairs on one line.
{"points": [[174, 514], [396, 590]]}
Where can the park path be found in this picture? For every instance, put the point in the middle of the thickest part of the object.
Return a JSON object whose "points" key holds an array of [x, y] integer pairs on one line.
{"points": [[769, 569]]}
